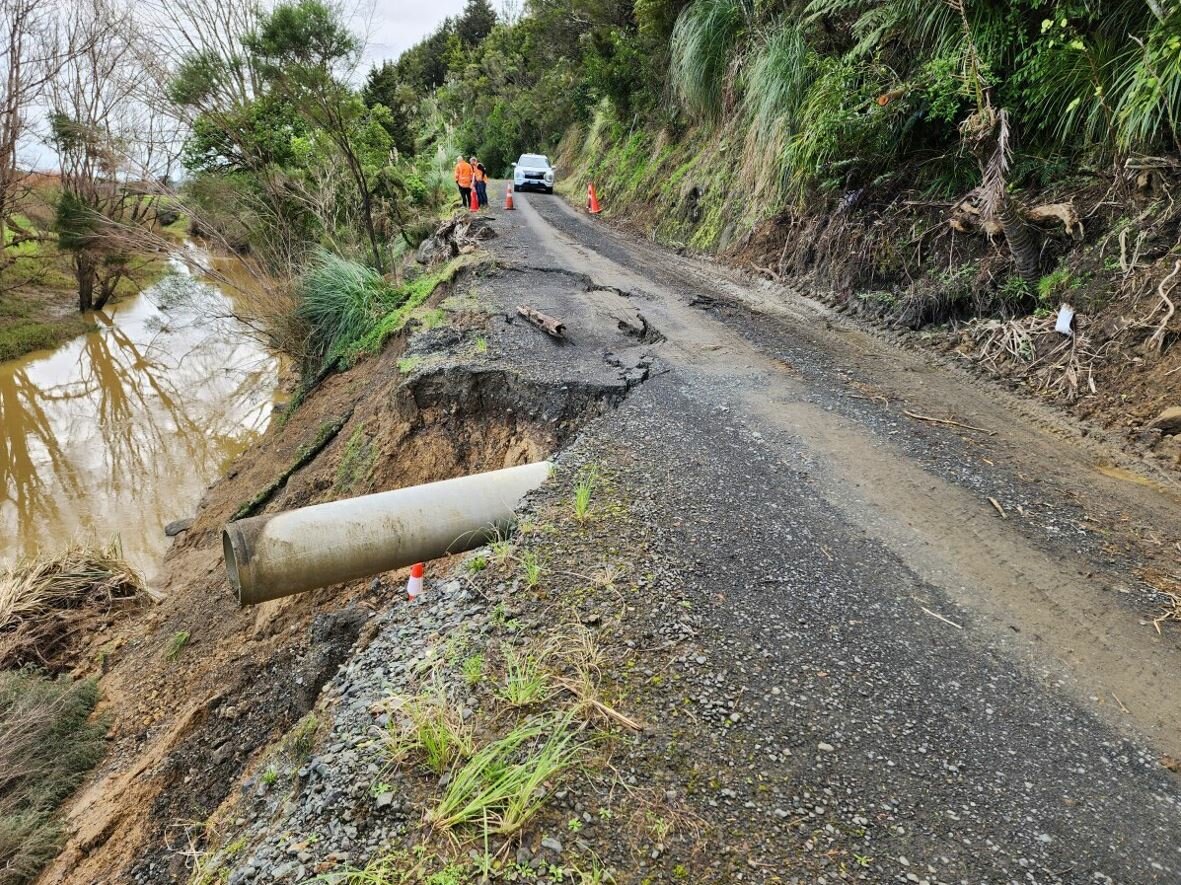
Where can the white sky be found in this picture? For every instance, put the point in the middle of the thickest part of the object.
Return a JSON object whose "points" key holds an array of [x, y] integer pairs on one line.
{"points": [[396, 25], [390, 27]]}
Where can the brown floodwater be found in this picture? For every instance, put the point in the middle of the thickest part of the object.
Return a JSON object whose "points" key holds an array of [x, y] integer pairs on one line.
{"points": [[118, 432]]}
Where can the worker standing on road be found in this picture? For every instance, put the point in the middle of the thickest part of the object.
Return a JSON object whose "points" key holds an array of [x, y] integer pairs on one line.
{"points": [[463, 180], [480, 175]]}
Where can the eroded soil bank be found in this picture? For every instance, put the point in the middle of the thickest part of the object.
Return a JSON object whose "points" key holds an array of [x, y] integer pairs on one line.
{"points": [[763, 625]]}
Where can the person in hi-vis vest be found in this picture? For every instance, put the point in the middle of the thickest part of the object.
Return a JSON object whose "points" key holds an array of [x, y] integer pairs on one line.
{"points": [[480, 177], [463, 180]]}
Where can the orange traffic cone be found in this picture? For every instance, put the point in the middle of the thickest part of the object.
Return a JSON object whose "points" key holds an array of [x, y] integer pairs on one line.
{"points": [[592, 201], [475, 206], [414, 585], [508, 197]]}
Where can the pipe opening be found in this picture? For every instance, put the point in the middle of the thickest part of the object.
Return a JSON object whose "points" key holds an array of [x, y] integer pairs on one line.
{"points": [[231, 557]]}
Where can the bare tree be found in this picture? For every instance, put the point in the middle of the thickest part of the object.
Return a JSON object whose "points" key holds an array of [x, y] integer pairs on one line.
{"points": [[37, 38], [114, 152]]}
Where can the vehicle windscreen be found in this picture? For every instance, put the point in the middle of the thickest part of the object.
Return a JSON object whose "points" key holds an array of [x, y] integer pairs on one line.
{"points": [[533, 160]]}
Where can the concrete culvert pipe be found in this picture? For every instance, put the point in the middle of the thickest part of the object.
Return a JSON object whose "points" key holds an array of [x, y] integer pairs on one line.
{"points": [[268, 557]]}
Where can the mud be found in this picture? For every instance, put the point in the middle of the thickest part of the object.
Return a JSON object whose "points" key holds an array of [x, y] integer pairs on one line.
{"points": [[264, 697]]}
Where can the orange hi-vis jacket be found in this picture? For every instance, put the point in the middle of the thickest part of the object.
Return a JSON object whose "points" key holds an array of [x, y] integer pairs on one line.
{"points": [[463, 173], [479, 174]]}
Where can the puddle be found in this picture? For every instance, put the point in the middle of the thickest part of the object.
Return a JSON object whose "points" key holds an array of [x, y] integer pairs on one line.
{"points": [[118, 432]]}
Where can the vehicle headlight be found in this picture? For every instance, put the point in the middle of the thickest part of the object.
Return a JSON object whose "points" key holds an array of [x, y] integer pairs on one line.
{"points": [[549, 176]]}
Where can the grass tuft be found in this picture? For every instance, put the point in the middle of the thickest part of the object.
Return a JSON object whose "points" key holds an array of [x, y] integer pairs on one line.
{"points": [[46, 603], [530, 568], [47, 744], [341, 301], [431, 729], [176, 644], [525, 680], [583, 492], [505, 782]]}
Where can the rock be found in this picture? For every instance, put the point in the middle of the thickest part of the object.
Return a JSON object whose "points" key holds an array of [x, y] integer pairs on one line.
{"points": [[1167, 422], [177, 526], [385, 799], [825, 748], [552, 844]]}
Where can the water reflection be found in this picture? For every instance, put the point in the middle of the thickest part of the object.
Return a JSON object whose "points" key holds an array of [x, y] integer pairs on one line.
{"points": [[118, 432]]}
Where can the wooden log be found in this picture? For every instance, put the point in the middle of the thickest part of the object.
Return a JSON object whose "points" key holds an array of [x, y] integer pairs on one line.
{"points": [[548, 324]]}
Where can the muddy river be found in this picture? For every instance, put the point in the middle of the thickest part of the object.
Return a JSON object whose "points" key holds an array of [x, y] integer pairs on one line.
{"points": [[118, 432]]}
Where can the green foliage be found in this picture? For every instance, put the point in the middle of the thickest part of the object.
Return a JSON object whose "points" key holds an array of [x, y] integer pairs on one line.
{"points": [[49, 744], [176, 645], [342, 301], [499, 787], [302, 41], [703, 47], [525, 680], [19, 338], [1053, 286], [355, 462], [583, 490], [530, 568], [431, 730], [408, 299], [473, 670]]}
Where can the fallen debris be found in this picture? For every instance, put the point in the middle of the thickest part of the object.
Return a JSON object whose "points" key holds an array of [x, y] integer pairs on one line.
{"points": [[550, 325], [940, 617], [999, 509], [1168, 422], [49, 606], [460, 234], [948, 422]]}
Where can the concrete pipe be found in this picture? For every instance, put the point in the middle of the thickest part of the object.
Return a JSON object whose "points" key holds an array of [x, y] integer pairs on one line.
{"points": [[268, 557]]}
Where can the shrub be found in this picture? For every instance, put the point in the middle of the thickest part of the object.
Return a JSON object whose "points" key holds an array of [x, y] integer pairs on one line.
{"points": [[342, 301]]}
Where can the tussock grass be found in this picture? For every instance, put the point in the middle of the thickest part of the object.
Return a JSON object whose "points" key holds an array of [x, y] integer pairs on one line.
{"points": [[503, 784], [703, 44], [525, 679], [47, 603], [47, 744], [583, 491], [431, 729], [776, 84], [341, 301]]}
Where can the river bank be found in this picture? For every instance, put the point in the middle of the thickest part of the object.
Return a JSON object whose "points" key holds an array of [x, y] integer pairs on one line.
{"points": [[117, 432]]}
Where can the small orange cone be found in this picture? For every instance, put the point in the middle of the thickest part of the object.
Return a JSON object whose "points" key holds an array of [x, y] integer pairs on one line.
{"points": [[475, 206], [414, 585], [508, 197], [592, 201]]}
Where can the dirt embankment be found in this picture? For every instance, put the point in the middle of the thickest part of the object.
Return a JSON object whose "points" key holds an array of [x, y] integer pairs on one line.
{"points": [[940, 275], [199, 687]]}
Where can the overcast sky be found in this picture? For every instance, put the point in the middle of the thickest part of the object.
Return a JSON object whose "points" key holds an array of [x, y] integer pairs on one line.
{"points": [[396, 25], [390, 27]]}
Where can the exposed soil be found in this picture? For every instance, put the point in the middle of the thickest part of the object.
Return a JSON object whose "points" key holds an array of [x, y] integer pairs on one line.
{"points": [[185, 727]]}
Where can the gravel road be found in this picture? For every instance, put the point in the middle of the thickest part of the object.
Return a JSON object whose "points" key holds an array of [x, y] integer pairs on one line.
{"points": [[870, 646]]}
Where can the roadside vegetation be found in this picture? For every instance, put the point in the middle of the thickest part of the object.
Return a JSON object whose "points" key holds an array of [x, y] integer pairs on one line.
{"points": [[50, 608]]}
